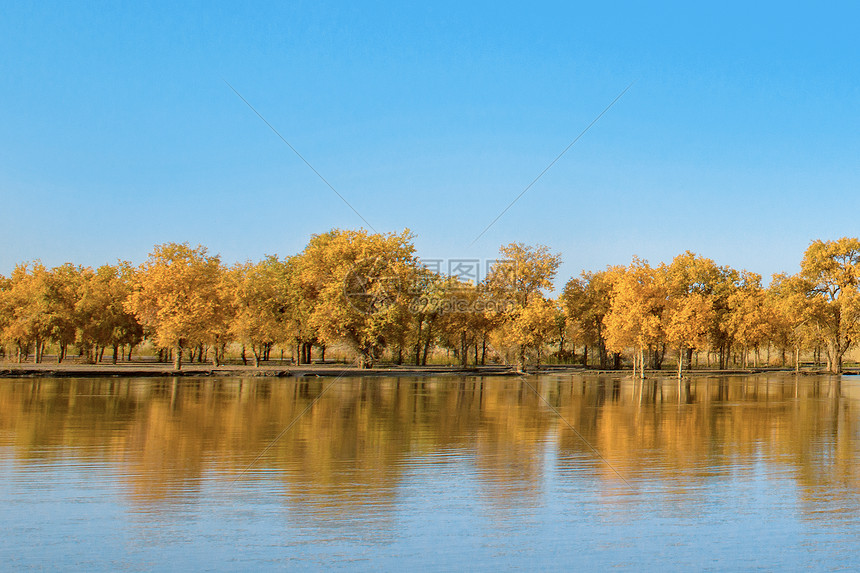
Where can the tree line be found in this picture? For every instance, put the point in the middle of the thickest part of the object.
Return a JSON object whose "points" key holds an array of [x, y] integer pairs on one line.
{"points": [[371, 294]]}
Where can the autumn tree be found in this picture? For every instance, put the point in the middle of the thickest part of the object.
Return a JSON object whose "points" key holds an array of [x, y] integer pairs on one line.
{"points": [[534, 325], [454, 326], [750, 319], [689, 320], [26, 306], [794, 313], [102, 319], [465, 315], [832, 270], [177, 295], [302, 296], [358, 288], [586, 302], [691, 275], [522, 276], [61, 292], [427, 309], [258, 295], [636, 316]]}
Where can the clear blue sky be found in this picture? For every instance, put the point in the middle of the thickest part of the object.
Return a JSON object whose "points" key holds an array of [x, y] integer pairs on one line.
{"points": [[739, 140]]}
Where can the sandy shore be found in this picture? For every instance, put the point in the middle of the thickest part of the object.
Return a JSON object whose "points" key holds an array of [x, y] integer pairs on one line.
{"points": [[147, 370], [152, 369]]}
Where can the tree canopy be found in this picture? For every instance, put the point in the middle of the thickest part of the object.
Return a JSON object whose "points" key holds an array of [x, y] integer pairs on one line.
{"points": [[369, 293]]}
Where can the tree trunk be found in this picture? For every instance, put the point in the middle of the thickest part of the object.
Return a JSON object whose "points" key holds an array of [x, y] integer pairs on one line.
{"points": [[115, 353], [427, 344], [836, 363], [177, 357], [635, 361], [680, 362], [418, 342]]}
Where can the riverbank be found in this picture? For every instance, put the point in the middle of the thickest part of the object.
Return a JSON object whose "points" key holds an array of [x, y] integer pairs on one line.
{"points": [[155, 370]]}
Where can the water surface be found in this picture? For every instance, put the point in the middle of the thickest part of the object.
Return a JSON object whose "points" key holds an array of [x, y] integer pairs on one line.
{"points": [[438, 473]]}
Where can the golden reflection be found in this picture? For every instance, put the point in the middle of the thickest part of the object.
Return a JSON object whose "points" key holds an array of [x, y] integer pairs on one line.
{"points": [[363, 438]]}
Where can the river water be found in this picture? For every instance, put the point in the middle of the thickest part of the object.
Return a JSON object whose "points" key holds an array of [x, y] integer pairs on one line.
{"points": [[553, 471]]}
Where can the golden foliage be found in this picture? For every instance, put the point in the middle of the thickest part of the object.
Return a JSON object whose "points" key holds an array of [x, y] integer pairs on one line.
{"points": [[371, 292], [177, 296]]}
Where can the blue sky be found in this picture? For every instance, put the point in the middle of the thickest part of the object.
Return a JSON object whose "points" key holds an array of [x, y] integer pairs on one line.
{"points": [[738, 140]]}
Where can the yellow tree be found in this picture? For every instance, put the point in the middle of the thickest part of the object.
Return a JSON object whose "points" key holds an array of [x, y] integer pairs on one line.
{"points": [[357, 288], [177, 296], [522, 275], [794, 313], [27, 309], [688, 323], [635, 319], [832, 271], [749, 319], [62, 296], [427, 309], [586, 302], [455, 324], [535, 325], [301, 298], [125, 329], [258, 297], [463, 316], [690, 273], [101, 317]]}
